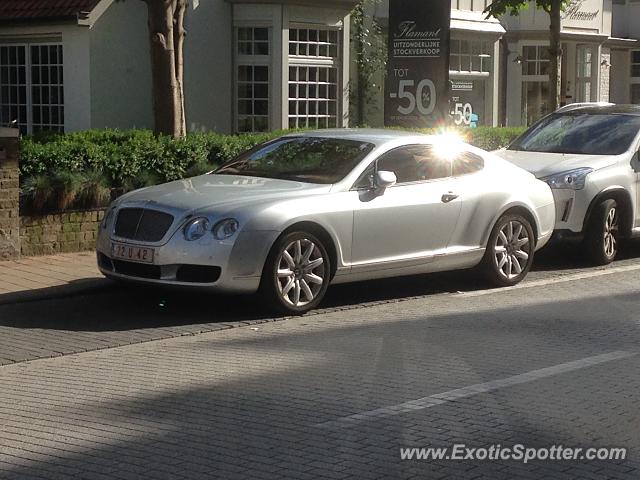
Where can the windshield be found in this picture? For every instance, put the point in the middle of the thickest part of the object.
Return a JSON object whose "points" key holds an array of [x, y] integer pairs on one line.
{"points": [[304, 159], [581, 133]]}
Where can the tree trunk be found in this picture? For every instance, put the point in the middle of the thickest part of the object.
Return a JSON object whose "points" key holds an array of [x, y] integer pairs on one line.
{"points": [[555, 52], [178, 41], [166, 65]]}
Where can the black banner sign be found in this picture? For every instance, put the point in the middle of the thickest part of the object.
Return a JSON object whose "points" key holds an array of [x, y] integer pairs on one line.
{"points": [[417, 85]]}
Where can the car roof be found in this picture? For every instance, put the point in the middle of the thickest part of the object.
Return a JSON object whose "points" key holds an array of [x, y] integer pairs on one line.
{"points": [[595, 109], [371, 135]]}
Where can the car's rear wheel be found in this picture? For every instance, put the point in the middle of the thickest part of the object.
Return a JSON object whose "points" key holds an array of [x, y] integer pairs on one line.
{"points": [[602, 235], [510, 250], [296, 274]]}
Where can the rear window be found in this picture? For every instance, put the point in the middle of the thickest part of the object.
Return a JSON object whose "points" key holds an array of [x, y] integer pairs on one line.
{"points": [[467, 163]]}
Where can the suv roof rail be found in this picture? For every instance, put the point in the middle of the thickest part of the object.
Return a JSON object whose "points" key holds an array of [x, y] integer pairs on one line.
{"points": [[574, 106]]}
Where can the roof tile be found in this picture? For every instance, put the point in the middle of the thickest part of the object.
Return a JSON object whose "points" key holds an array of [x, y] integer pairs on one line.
{"points": [[43, 9]]}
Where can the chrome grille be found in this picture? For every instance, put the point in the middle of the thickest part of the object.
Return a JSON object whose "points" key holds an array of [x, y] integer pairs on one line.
{"points": [[142, 224]]}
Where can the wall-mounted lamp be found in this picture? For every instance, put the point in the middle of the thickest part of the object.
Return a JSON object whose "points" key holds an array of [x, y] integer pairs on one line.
{"points": [[519, 59], [605, 63]]}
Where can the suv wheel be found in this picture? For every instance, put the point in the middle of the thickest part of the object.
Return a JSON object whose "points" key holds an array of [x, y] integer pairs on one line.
{"points": [[296, 274], [602, 235], [510, 250]]}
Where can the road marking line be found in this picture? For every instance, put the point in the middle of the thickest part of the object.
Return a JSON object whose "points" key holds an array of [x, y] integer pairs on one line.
{"points": [[452, 395], [551, 281]]}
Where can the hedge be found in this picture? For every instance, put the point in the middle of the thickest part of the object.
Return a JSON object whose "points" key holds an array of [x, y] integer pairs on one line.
{"points": [[74, 170]]}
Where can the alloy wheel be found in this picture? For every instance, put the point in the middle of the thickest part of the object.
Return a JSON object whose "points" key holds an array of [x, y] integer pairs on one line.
{"points": [[512, 249], [300, 272], [610, 232]]}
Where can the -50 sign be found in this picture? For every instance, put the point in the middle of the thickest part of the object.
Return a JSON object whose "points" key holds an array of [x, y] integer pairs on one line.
{"points": [[421, 97]]}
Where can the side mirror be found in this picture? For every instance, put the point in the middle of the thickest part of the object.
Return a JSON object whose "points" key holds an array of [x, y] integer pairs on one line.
{"points": [[635, 162], [385, 179]]}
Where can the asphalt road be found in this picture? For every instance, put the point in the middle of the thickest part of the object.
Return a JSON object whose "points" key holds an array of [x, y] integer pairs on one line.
{"points": [[153, 391]]}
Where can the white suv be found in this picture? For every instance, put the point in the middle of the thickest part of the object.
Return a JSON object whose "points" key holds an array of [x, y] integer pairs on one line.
{"points": [[588, 154]]}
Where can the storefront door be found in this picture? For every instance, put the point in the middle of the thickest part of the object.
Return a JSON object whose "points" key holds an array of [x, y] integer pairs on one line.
{"points": [[584, 73]]}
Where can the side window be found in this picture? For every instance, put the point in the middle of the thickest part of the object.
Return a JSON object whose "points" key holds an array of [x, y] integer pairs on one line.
{"points": [[466, 163], [415, 163]]}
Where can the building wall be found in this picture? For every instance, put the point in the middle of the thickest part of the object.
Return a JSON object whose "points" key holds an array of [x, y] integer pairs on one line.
{"points": [[208, 66], [605, 75], [619, 91], [120, 68], [625, 19]]}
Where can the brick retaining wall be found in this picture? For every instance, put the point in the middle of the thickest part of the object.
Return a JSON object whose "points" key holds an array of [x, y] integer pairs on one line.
{"points": [[59, 232], [9, 190]]}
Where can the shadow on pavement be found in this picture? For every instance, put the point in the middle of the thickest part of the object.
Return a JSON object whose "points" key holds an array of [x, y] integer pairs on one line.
{"points": [[112, 307], [248, 408]]}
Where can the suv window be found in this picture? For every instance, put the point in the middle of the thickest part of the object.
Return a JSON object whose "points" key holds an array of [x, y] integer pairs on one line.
{"points": [[467, 163], [415, 163]]}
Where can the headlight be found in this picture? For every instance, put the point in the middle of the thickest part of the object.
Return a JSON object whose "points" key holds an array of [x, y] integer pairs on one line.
{"points": [[573, 179], [107, 218], [196, 229], [225, 228]]}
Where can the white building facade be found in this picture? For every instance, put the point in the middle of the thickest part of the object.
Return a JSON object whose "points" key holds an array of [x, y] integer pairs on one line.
{"points": [[248, 66], [268, 65]]}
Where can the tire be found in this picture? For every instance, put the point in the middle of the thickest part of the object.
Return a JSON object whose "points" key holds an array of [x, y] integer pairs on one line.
{"points": [[510, 249], [309, 267], [602, 235]]}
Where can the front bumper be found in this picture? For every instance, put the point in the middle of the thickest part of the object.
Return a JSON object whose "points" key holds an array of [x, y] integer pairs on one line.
{"points": [[231, 266], [571, 208]]}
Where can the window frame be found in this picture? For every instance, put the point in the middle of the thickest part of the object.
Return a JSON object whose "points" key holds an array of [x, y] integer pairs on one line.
{"points": [[375, 165], [253, 60], [321, 63], [28, 84], [633, 63], [538, 60], [485, 47]]}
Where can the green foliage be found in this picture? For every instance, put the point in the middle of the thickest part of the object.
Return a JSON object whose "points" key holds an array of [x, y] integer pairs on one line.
{"points": [[79, 170], [370, 57]]}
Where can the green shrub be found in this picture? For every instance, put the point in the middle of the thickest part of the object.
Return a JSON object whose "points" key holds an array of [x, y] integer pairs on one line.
{"points": [[77, 170]]}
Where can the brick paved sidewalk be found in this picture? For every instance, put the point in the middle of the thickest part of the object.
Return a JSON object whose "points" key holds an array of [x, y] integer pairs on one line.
{"points": [[33, 278]]}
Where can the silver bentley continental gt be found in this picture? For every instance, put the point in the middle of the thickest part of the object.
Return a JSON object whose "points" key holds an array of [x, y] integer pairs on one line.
{"points": [[293, 215]]}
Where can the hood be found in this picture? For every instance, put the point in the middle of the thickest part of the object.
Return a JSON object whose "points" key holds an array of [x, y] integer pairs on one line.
{"points": [[198, 193], [543, 164]]}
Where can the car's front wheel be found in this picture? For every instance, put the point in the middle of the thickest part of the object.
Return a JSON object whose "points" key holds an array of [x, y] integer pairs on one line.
{"points": [[296, 274], [510, 250], [602, 235]]}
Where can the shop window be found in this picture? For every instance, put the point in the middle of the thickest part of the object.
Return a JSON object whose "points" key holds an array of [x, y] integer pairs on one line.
{"points": [[313, 78], [635, 63], [31, 87], [252, 79], [470, 56], [535, 60]]}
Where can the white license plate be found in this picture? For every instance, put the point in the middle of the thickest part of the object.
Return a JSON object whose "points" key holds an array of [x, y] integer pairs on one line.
{"points": [[131, 253]]}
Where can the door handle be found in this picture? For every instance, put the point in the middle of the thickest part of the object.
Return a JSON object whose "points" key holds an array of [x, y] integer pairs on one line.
{"points": [[449, 197]]}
